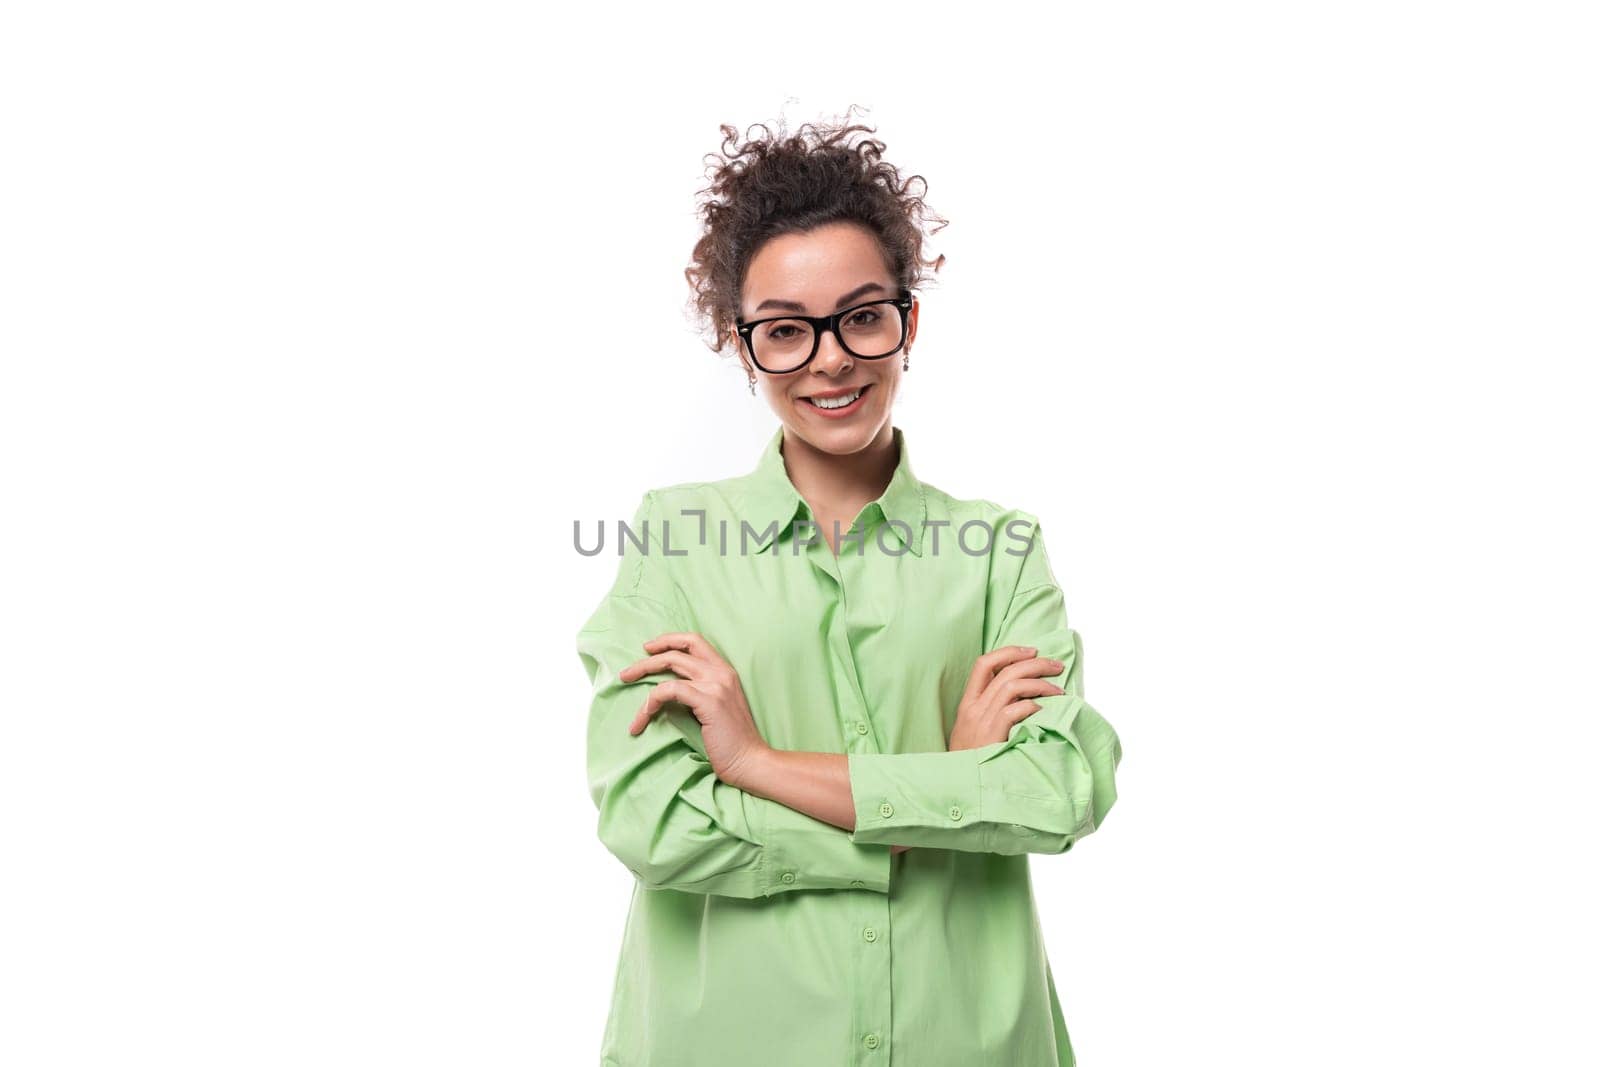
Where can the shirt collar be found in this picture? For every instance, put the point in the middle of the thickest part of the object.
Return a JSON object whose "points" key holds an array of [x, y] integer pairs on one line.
{"points": [[769, 498]]}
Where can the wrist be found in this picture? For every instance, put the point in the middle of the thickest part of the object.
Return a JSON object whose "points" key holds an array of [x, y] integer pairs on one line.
{"points": [[751, 769]]}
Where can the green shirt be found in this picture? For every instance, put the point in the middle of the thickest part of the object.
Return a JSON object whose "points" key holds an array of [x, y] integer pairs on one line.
{"points": [[758, 936]]}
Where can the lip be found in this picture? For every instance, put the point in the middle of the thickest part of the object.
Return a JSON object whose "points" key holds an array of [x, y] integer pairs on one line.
{"points": [[828, 394], [836, 413]]}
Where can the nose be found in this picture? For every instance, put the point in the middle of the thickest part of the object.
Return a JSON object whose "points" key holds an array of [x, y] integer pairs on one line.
{"points": [[831, 359]]}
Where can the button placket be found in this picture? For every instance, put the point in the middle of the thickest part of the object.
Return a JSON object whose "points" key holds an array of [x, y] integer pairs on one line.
{"points": [[852, 706], [872, 1006]]}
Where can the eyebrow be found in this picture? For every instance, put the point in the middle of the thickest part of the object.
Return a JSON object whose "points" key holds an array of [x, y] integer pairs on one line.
{"points": [[790, 305]]}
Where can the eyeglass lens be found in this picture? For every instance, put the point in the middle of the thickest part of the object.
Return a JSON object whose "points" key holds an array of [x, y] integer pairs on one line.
{"points": [[868, 332]]}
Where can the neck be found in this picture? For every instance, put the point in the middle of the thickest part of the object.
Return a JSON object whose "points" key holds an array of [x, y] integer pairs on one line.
{"points": [[834, 484]]}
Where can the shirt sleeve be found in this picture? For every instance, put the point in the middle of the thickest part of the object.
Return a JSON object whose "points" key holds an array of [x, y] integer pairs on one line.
{"points": [[662, 810], [1052, 780]]}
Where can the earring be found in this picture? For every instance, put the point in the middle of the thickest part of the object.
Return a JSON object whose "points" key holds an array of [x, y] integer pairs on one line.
{"points": [[752, 385], [905, 364]]}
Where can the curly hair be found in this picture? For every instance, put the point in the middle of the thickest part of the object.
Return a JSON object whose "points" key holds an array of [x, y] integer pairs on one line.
{"points": [[779, 184]]}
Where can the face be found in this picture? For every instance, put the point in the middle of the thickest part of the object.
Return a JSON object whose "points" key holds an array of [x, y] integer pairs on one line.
{"points": [[817, 273]]}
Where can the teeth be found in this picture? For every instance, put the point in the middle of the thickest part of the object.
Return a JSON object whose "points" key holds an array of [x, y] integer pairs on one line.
{"points": [[836, 401]]}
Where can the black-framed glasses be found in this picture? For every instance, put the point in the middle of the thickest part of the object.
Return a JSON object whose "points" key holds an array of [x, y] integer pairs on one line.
{"points": [[785, 343]]}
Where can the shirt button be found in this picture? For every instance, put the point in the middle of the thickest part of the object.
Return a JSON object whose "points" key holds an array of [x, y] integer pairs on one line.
{"points": [[861, 727], [886, 809], [871, 1041], [856, 883], [788, 876], [955, 813], [870, 934]]}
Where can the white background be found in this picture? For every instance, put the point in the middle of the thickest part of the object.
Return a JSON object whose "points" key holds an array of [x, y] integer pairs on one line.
{"points": [[321, 323]]}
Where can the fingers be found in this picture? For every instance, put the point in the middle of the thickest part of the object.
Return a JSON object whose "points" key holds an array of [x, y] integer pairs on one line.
{"points": [[689, 642], [705, 664], [1039, 667], [680, 663], [1012, 714], [985, 666], [662, 693], [1004, 691], [688, 655]]}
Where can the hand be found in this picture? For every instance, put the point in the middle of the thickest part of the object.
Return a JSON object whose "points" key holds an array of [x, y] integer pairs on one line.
{"points": [[997, 692], [709, 687]]}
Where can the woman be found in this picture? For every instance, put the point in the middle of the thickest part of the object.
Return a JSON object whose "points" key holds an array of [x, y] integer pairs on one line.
{"points": [[834, 707]]}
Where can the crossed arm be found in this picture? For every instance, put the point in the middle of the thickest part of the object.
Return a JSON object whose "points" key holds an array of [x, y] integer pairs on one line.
{"points": [[816, 783], [819, 783], [777, 820], [688, 805]]}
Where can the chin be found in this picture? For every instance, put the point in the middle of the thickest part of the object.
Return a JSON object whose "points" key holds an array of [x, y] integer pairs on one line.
{"points": [[844, 437]]}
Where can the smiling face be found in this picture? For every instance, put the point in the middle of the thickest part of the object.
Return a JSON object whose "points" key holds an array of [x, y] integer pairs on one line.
{"points": [[827, 269]]}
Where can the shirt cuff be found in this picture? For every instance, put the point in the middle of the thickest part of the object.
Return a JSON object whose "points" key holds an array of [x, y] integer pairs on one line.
{"points": [[918, 798], [799, 852], [957, 800]]}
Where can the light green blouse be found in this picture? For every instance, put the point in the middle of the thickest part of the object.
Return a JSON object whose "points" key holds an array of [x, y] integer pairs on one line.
{"points": [[761, 937]]}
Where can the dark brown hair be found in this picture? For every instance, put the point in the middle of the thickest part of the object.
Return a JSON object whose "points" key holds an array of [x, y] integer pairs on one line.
{"points": [[778, 184]]}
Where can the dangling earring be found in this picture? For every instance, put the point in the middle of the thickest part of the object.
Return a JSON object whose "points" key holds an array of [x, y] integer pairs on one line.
{"points": [[752, 385], [905, 364]]}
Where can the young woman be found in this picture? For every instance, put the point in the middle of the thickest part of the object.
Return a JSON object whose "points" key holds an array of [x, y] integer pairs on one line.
{"points": [[835, 709]]}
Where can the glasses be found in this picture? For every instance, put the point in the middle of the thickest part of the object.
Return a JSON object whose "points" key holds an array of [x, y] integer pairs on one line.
{"points": [[873, 330]]}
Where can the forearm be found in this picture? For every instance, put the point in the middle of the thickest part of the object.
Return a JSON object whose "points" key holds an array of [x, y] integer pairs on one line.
{"points": [[816, 783]]}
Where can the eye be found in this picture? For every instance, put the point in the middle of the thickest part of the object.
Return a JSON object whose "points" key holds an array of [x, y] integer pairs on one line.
{"points": [[863, 317]]}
